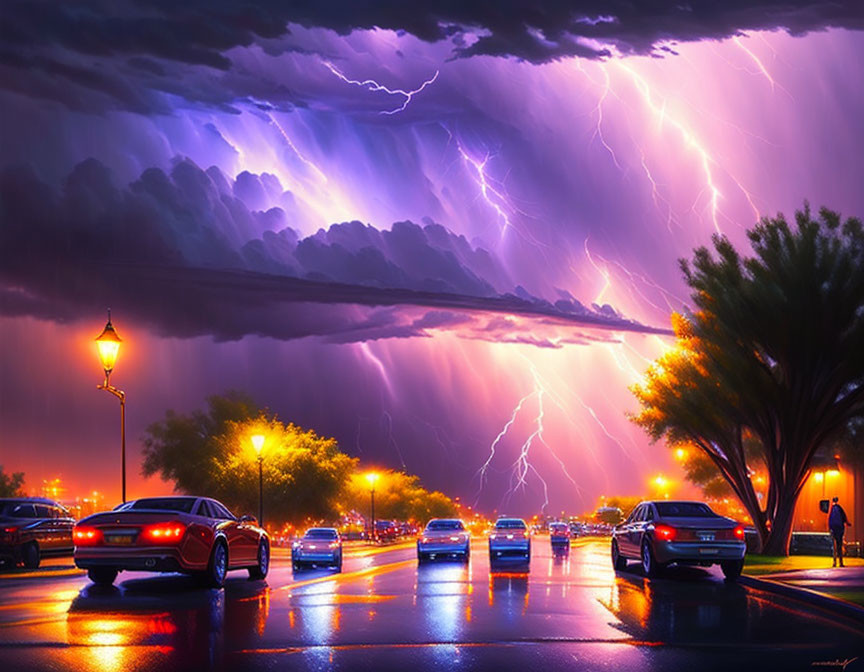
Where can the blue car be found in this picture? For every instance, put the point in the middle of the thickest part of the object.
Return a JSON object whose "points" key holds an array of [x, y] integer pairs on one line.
{"points": [[320, 546], [510, 539]]}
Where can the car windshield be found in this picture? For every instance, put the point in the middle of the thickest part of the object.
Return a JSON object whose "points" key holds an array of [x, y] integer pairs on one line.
{"points": [[13, 509], [178, 504], [511, 524], [320, 534], [684, 510], [445, 525]]}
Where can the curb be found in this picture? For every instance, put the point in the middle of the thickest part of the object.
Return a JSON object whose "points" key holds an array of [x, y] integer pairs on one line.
{"points": [[811, 597]]}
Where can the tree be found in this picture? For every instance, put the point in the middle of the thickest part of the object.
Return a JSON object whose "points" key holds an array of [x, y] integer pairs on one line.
{"points": [[398, 496], [11, 485], [773, 352], [182, 448], [210, 453], [304, 474]]}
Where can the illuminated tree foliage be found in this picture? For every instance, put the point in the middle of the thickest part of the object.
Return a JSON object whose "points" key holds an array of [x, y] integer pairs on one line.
{"points": [[304, 474], [773, 351], [11, 485], [398, 496], [210, 453]]}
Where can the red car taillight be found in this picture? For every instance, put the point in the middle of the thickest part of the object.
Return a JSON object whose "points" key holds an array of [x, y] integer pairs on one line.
{"points": [[86, 536], [738, 532], [164, 533], [664, 532], [9, 534]]}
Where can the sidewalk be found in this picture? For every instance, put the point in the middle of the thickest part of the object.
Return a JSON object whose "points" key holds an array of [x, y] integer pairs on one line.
{"points": [[812, 579]]}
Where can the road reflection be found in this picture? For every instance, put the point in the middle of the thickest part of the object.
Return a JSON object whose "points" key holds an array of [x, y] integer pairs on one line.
{"points": [[115, 627], [443, 592], [690, 607]]}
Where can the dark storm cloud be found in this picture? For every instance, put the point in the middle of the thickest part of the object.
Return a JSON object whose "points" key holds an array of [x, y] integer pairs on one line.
{"points": [[87, 54], [175, 250]]}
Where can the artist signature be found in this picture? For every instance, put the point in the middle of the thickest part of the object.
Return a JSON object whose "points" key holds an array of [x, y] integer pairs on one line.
{"points": [[842, 664]]}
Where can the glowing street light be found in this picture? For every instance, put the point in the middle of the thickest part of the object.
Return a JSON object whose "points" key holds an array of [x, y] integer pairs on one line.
{"points": [[372, 477], [258, 445], [108, 345]]}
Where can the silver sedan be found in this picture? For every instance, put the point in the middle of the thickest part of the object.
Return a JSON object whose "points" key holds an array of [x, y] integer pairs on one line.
{"points": [[659, 533]]}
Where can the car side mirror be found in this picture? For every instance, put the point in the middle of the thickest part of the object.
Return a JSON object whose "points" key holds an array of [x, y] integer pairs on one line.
{"points": [[249, 518]]}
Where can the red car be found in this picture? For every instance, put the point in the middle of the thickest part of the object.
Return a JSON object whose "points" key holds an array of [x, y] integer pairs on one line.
{"points": [[193, 535]]}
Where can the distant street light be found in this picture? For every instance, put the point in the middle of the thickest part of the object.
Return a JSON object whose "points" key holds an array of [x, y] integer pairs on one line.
{"points": [[372, 477], [258, 445], [108, 344]]}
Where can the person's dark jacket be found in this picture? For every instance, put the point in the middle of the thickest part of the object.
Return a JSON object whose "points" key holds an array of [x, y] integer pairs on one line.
{"points": [[837, 518]]}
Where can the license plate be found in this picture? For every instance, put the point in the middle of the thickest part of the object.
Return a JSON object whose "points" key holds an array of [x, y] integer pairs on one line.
{"points": [[706, 536], [119, 539], [707, 551]]}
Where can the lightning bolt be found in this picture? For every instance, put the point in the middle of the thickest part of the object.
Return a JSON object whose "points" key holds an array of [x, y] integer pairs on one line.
{"points": [[759, 64], [522, 466], [372, 85]]}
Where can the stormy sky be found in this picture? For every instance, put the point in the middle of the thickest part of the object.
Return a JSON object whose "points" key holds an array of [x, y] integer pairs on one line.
{"points": [[444, 233]]}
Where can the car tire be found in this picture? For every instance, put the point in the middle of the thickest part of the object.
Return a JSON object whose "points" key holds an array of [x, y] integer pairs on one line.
{"points": [[338, 565], [217, 566], [259, 571], [30, 555], [649, 563], [732, 569], [619, 562], [102, 576]]}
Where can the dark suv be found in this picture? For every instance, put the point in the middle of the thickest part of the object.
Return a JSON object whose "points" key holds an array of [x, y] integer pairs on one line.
{"points": [[33, 527]]}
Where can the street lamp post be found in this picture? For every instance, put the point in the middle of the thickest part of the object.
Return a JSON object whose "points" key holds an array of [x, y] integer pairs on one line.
{"points": [[258, 444], [372, 477], [108, 344]]}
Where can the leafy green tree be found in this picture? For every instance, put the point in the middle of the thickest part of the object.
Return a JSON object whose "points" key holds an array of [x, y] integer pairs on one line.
{"points": [[772, 351], [11, 485], [210, 453], [398, 496], [182, 448], [304, 474]]}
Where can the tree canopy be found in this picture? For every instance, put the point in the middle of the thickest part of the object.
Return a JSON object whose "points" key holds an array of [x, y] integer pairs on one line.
{"points": [[306, 478], [11, 485], [398, 496], [771, 354]]}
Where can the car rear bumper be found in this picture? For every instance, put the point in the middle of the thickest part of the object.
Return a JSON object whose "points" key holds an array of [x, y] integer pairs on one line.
{"points": [[681, 551], [153, 559], [509, 549], [312, 556], [444, 548]]}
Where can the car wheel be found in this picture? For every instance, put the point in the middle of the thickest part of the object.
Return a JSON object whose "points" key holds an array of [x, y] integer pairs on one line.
{"points": [[649, 563], [732, 569], [339, 564], [102, 576], [619, 562], [217, 568], [259, 571], [30, 555]]}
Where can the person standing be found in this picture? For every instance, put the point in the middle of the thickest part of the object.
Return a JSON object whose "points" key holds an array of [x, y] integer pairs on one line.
{"points": [[837, 523]]}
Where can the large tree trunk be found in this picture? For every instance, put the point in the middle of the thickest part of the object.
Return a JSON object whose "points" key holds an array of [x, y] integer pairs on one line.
{"points": [[777, 542]]}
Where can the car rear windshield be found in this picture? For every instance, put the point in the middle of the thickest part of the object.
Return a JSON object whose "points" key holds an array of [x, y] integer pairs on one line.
{"points": [[320, 534], [17, 509], [178, 504], [684, 510], [558, 527], [445, 525], [511, 524]]}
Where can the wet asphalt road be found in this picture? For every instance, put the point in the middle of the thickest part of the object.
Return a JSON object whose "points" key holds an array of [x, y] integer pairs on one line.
{"points": [[384, 612]]}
